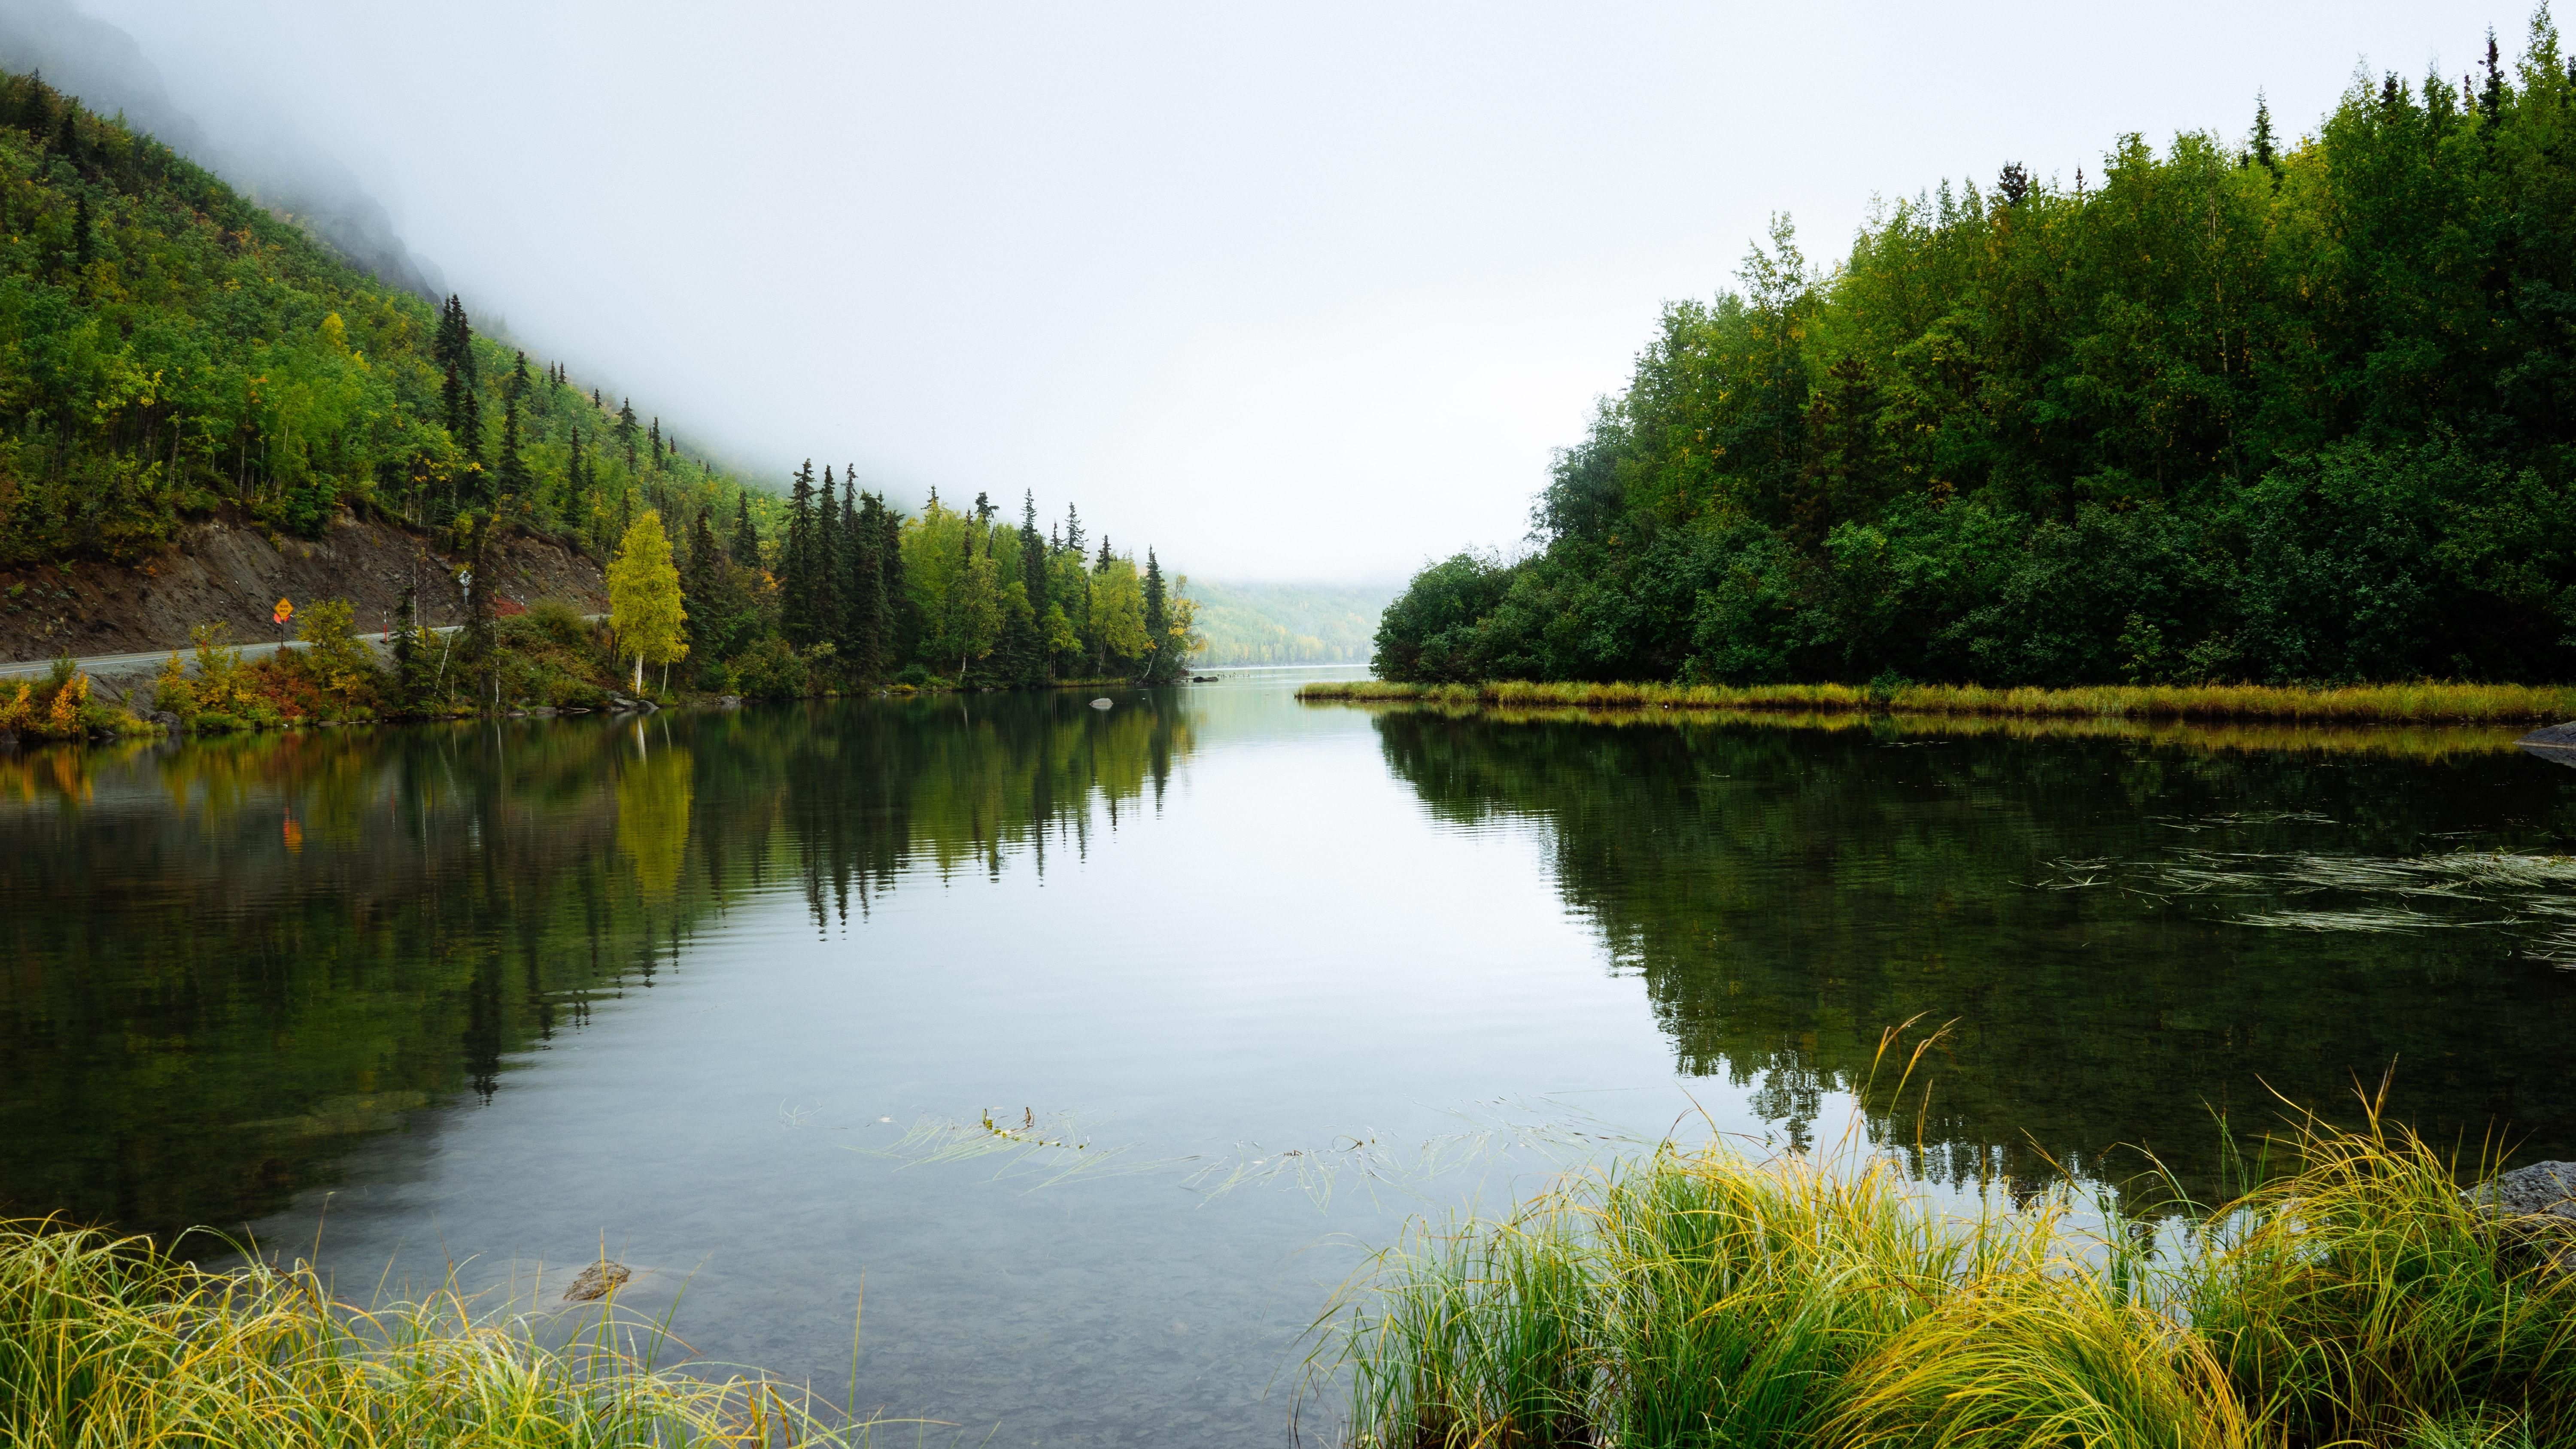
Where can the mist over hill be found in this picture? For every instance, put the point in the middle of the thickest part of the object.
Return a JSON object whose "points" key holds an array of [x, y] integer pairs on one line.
{"points": [[1276, 623]]}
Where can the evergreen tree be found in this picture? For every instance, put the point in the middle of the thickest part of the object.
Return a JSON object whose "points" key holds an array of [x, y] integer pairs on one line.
{"points": [[511, 474], [84, 235], [824, 573], [746, 539], [451, 396], [902, 630], [871, 623], [2261, 153], [1033, 556], [2491, 96], [1161, 659], [471, 436], [626, 430], [796, 566], [2013, 184], [699, 578], [1073, 530], [1100, 565]]}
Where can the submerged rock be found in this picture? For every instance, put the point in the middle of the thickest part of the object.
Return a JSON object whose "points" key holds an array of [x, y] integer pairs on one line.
{"points": [[597, 1281], [2555, 743]]}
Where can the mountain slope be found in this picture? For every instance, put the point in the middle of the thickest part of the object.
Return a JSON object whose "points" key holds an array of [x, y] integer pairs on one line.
{"points": [[167, 346]]}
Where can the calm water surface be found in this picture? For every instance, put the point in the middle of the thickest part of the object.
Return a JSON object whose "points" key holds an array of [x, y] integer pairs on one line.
{"points": [[1246, 983]]}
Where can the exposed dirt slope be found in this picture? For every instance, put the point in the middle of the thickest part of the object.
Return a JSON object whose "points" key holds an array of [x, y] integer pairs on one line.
{"points": [[227, 569]]}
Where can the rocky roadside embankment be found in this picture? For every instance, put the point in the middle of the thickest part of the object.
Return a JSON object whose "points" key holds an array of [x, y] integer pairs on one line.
{"points": [[230, 570]]}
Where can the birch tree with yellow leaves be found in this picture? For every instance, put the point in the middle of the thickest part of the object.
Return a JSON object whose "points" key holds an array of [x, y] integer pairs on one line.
{"points": [[644, 598]]}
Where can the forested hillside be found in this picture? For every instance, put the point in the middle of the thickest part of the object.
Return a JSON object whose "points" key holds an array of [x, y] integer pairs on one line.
{"points": [[1270, 623], [2285, 410], [169, 350]]}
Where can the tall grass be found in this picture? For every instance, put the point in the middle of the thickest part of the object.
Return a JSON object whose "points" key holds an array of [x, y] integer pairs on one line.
{"points": [[1700, 1298], [2421, 703], [107, 1343]]}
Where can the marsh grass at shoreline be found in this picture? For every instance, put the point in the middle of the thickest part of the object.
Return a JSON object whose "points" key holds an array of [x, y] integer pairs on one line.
{"points": [[1700, 1297], [108, 1342], [2422, 703]]}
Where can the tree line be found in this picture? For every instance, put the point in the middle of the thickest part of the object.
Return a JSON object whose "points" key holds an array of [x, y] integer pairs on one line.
{"points": [[2281, 410], [852, 590]]}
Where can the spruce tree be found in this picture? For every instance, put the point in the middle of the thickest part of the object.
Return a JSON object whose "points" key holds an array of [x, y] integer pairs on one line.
{"points": [[698, 576], [746, 539], [870, 620], [796, 581], [1073, 530], [1159, 656], [84, 235], [2261, 153], [2013, 184], [472, 435], [824, 574], [512, 474], [2491, 96], [902, 630]]}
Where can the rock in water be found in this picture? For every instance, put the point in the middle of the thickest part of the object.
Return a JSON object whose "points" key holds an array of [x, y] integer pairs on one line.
{"points": [[2544, 1189], [1100, 704], [2554, 743], [597, 1281]]}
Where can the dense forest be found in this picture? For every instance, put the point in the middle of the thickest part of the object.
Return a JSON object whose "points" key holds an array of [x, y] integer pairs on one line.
{"points": [[170, 350], [2290, 410]]}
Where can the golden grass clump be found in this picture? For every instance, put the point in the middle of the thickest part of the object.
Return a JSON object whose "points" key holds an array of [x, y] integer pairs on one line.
{"points": [[109, 1342], [1699, 1298], [2426, 702]]}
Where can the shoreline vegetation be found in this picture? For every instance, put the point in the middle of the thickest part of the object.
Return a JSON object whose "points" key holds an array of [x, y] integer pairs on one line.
{"points": [[2426, 702], [1699, 1297], [107, 1342]]}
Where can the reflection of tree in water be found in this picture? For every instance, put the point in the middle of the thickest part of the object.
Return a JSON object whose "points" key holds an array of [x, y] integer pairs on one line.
{"points": [[653, 792], [201, 1022], [1787, 895]]}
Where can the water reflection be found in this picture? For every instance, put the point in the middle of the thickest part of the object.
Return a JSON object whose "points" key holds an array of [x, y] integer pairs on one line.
{"points": [[1787, 893], [229, 961]]}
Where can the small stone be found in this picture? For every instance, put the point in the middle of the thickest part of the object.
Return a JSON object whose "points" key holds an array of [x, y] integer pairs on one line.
{"points": [[597, 1281]]}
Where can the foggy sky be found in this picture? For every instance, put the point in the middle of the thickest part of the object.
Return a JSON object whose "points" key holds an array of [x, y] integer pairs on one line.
{"points": [[1284, 291]]}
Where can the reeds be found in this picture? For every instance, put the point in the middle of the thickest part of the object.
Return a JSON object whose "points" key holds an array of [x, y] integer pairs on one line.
{"points": [[2427, 702], [1699, 1298], [107, 1343]]}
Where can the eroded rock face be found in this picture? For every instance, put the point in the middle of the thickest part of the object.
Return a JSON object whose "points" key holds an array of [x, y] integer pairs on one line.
{"points": [[597, 1281], [2544, 1189]]}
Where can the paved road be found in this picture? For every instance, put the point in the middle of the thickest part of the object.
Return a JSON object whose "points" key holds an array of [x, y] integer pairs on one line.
{"points": [[152, 658]]}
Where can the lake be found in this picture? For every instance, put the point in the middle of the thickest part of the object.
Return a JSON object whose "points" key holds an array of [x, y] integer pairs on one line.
{"points": [[1073, 1056]]}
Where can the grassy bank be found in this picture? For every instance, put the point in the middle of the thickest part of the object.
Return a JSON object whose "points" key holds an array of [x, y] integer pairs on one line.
{"points": [[2424, 742], [2425, 703], [107, 1343], [1700, 1298]]}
